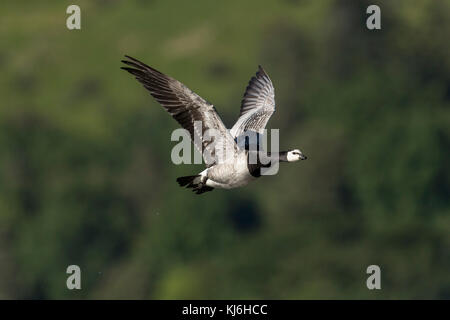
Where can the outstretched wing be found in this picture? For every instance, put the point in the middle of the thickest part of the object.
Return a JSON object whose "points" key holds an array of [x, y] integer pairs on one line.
{"points": [[257, 105], [193, 113]]}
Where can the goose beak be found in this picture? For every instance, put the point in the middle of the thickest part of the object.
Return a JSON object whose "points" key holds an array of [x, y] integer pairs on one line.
{"points": [[303, 157]]}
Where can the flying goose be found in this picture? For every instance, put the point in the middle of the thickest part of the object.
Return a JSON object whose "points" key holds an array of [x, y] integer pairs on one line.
{"points": [[230, 163]]}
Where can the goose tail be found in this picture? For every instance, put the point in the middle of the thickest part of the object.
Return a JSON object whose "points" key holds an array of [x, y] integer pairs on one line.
{"points": [[194, 182]]}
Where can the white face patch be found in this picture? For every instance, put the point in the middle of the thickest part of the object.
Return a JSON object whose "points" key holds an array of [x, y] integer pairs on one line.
{"points": [[293, 155]]}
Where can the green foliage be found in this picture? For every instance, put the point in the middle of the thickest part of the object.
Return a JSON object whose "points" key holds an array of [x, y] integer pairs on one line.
{"points": [[86, 176]]}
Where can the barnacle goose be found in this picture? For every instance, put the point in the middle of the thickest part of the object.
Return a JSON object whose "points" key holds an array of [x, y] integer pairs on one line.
{"points": [[228, 164]]}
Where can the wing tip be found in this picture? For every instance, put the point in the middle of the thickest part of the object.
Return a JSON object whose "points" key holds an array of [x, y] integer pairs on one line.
{"points": [[262, 72], [138, 65], [133, 71], [132, 59]]}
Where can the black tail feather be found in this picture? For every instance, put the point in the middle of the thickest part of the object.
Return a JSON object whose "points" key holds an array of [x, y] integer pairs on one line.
{"points": [[203, 189], [182, 181], [195, 183]]}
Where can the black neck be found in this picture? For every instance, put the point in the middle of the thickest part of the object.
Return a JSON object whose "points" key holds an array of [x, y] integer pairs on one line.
{"points": [[281, 156], [255, 168]]}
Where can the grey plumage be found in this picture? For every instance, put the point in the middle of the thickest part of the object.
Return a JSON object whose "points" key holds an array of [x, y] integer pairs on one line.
{"points": [[185, 106], [229, 165], [257, 106]]}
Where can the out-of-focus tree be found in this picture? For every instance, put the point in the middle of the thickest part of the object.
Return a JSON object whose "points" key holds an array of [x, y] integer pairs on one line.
{"points": [[86, 176]]}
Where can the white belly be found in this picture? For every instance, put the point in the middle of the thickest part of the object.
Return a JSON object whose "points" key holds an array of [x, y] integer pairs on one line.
{"points": [[229, 176]]}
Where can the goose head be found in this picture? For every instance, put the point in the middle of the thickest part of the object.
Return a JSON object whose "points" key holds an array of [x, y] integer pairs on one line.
{"points": [[295, 155]]}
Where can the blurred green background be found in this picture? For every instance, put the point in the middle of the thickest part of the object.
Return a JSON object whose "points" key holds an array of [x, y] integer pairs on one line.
{"points": [[86, 176]]}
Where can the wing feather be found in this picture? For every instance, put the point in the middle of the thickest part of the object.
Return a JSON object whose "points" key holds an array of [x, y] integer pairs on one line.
{"points": [[257, 106], [186, 107]]}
